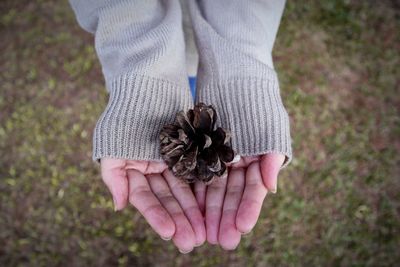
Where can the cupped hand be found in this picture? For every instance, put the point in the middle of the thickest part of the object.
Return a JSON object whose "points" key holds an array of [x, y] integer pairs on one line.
{"points": [[167, 204], [232, 205]]}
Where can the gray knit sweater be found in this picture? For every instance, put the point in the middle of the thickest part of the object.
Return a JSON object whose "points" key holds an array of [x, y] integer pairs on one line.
{"points": [[141, 47]]}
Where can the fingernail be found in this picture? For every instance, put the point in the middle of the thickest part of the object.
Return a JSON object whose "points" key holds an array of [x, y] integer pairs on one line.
{"points": [[166, 238], [115, 204], [185, 252], [273, 191]]}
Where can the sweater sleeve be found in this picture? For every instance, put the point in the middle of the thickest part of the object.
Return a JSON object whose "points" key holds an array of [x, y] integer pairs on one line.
{"points": [[236, 74], [141, 49]]}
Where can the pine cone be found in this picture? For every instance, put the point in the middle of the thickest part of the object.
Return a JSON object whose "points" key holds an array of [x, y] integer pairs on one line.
{"points": [[192, 149]]}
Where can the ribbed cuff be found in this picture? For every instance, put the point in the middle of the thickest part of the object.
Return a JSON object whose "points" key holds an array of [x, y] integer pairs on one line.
{"points": [[252, 109], [138, 108]]}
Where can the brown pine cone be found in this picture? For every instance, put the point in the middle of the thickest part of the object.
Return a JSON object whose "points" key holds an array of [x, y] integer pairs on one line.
{"points": [[192, 149]]}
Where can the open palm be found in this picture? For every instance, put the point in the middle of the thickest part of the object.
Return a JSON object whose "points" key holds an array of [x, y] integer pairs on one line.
{"points": [[168, 204], [232, 206]]}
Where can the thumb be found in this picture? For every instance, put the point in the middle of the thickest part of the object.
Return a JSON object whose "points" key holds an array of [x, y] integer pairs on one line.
{"points": [[114, 176], [270, 166]]}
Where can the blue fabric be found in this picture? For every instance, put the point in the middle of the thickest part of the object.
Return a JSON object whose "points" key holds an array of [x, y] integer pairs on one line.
{"points": [[192, 83]]}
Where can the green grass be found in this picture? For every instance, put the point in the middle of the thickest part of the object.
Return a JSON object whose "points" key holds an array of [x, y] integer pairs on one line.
{"points": [[338, 203]]}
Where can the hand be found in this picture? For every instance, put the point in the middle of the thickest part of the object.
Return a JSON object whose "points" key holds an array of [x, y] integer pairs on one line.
{"points": [[166, 203], [232, 206]]}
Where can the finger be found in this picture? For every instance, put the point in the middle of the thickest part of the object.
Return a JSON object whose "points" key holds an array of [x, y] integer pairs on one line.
{"points": [[200, 190], [229, 236], [139, 165], [250, 159], [155, 167], [270, 166], [245, 161], [237, 164], [235, 160], [252, 199], [187, 201], [214, 201], [146, 167], [141, 197], [114, 176], [184, 237]]}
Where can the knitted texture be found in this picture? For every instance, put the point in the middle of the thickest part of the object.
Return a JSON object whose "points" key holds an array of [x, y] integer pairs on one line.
{"points": [[141, 48], [235, 40], [137, 110]]}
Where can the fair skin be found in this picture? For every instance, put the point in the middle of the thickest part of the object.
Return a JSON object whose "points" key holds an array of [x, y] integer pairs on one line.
{"points": [[231, 207]]}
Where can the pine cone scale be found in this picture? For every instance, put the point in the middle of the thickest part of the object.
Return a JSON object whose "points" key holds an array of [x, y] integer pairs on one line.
{"points": [[184, 123]]}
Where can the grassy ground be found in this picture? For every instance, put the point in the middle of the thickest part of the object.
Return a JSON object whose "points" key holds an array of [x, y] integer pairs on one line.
{"points": [[338, 203]]}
